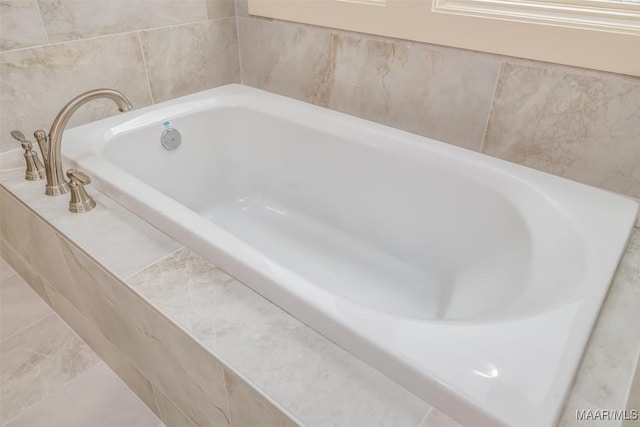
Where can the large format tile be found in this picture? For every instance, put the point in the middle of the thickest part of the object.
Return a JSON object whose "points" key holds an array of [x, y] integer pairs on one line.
{"points": [[633, 401], [242, 7], [286, 58], [98, 231], [289, 365], [280, 355], [109, 353], [20, 24], [607, 367], [32, 237], [6, 270], [36, 83], [77, 19], [210, 60], [175, 364], [185, 287], [20, 306], [575, 125], [22, 267], [220, 9], [99, 399], [439, 93], [249, 408], [107, 226], [171, 415], [37, 361], [14, 223]]}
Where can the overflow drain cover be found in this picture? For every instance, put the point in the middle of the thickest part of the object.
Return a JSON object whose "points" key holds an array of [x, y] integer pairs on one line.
{"points": [[170, 139]]}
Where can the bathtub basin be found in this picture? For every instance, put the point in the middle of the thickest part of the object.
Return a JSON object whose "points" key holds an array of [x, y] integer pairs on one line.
{"points": [[471, 281]]}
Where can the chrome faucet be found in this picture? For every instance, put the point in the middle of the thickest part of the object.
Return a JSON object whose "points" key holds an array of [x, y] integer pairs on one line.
{"points": [[51, 146]]}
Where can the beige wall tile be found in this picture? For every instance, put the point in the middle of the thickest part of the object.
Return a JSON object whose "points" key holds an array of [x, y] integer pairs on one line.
{"points": [[571, 124], [220, 9], [20, 24], [285, 58], [76, 19], [441, 94], [249, 408], [14, 225], [191, 58], [242, 7], [36, 83], [23, 268], [171, 415], [37, 361], [33, 238]]}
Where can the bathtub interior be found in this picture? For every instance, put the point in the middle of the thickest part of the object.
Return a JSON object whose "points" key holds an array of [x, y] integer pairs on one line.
{"points": [[400, 232]]}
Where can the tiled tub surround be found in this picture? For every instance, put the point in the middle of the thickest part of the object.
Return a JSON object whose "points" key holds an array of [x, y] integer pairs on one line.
{"points": [[571, 122], [336, 251], [126, 280], [49, 376], [52, 50]]}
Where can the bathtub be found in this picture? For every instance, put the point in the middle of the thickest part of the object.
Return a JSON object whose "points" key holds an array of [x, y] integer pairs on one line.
{"points": [[471, 281]]}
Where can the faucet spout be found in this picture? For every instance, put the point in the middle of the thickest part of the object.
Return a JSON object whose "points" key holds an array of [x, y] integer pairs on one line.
{"points": [[56, 183]]}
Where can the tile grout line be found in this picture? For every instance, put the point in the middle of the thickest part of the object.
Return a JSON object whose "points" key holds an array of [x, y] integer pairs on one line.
{"points": [[206, 9], [226, 395], [240, 67], [43, 398], [146, 68], [53, 313], [14, 272], [425, 418], [493, 99], [102, 36], [151, 264], [44, 28], [155, 400], [55, 390]]}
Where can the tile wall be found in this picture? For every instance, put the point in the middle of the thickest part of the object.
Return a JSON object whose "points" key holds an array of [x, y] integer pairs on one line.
{"points": [[571, 122], [576, 123], [151, 50]]}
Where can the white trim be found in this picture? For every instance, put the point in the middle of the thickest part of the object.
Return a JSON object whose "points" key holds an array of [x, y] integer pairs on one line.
{"points": [[624, 18]]}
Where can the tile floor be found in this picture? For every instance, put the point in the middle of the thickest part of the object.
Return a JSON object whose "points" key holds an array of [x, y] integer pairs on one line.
{"points": [[48, 376]]}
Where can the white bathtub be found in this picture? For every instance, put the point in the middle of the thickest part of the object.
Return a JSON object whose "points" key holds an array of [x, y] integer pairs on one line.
{"points": [[471, 281]]}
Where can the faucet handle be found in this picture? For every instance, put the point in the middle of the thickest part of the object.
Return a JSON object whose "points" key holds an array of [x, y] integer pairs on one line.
{"points": [[35, 170], [78, 177], [80, 200], [19, 136]]}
